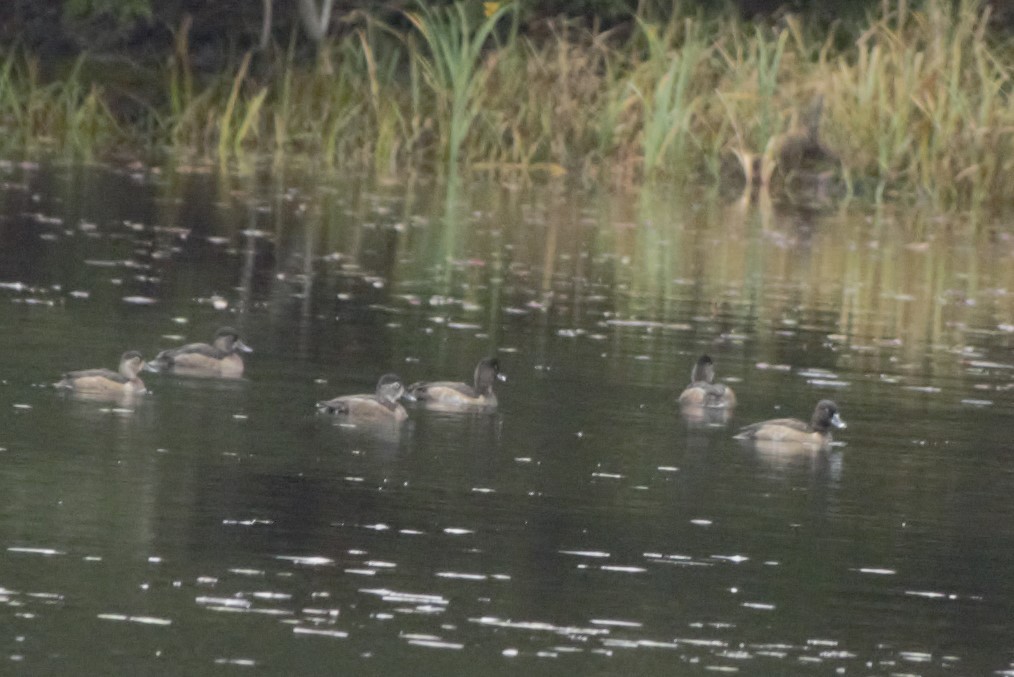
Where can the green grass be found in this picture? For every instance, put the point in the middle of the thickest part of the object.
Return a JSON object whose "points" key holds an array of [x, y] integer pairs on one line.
{"points": [[916, 101]]}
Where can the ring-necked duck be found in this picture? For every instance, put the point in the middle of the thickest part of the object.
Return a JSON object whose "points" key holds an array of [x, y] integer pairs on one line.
{"points": [[124, 381], [221, 358], [793, 431], [454, 395], [383, 406], [702, 392]]}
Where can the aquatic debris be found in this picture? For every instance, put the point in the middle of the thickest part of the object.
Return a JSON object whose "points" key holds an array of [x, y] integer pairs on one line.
{"points": [[139, 300]]}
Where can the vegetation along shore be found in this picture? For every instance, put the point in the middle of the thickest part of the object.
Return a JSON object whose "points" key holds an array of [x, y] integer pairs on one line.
{"points": [[910, 98]]}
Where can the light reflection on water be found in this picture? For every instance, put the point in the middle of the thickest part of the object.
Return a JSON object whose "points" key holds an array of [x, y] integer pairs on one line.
{"points": [[585, 525]]}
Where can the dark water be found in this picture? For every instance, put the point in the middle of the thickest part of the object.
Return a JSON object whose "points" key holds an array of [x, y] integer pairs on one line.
{"points": [[219, 526]]}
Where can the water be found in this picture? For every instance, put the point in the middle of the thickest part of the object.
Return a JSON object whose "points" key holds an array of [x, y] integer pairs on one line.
{"points": [[586, 527]]}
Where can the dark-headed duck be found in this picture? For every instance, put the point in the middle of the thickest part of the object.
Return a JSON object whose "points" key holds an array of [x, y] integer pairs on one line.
{"points": [[220, 358], [793, 431], [702, 392], [382, 406], [107, 381], [455, 395]]}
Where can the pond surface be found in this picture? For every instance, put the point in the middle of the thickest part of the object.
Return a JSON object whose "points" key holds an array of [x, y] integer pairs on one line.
{"points": [[221, 526]]}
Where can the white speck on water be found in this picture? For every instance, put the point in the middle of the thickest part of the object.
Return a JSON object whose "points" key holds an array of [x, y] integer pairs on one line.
{"points": [[461, 576], [456, 531], [144, 620], [876, 572], [313, 561], [243, 662], [668, 468], [735, 559], [48, 552], [701, 522], [761, 606], [405, 597], [139, 300], [623, 569], [336, 634], [585, 553], [436, 644], [619, 624]]}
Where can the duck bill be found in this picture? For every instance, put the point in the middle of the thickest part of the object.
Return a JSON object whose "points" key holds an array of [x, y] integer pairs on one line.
{"points": [[239, 345], [408, 397], [501, 377], [149, 366], [837, 422]]}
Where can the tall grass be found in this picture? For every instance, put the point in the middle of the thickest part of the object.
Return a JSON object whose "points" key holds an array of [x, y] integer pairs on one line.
{"points": [[452, 67], [917, 100]]}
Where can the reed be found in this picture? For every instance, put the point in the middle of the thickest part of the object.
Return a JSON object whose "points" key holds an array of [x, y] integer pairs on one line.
{"points": [[452, 68], [917, 101]]}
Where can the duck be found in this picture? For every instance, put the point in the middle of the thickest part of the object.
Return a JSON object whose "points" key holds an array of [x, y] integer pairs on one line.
{"points": [[106, 381], [380, 407], [702, 392], [793, 431], [458, 396], [220, 358]]}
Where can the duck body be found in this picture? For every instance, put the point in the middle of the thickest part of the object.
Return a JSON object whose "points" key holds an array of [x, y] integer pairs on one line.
{"points": [[458, 396], [219, 358], [380, 407], [702, 392], [107, 381], [816, 433]]}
